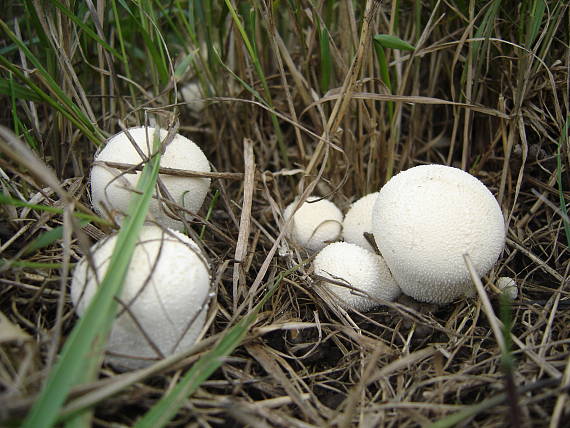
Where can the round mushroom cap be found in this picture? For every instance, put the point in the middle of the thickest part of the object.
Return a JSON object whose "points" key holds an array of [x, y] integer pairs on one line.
{"points": [[425, 219], [315, 223], [358, 221], [112, 188], [192, 95], [166, 290], [358, 268], [508, 287]]}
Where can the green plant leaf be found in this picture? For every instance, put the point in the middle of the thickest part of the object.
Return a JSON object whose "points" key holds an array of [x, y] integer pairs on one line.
{"points": [[392, 42], [7, 200], [48, 238]]}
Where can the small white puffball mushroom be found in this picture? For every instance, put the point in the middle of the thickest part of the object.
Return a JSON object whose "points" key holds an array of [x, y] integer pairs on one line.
{"points": [[358, 268], [358, 220], [166, 290], [112, 188], [508, 287], [192, 94], [425, 219], [315, 223]]}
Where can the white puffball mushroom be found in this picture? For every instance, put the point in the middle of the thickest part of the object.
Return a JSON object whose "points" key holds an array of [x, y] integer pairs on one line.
{"points": [[113, 188], [192, 95], [508, 287], [166, 290], [425, 219], [359, 268], [358, 220], [315, 223]]}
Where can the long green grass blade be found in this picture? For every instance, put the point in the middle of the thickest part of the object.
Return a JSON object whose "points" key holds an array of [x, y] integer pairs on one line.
{"points": [[326, 59], [535, 20], [7, 200], [9, 87], [48, 238], [84, 347], [27, 264]]}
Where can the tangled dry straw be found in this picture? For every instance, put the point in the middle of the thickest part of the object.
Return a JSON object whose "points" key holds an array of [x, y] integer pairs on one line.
{"points": [[489, 104]]}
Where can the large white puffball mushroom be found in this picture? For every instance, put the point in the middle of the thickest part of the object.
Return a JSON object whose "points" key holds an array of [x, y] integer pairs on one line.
{"points": [[112, 188], [315, 223], [425, 219], [508, 287], [358, 268], [166, 290], [358, 221]]}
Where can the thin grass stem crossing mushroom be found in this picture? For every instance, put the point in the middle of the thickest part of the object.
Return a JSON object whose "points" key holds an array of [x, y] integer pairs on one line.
{"points": [[111, 188], [316, 223], [359, 277]]}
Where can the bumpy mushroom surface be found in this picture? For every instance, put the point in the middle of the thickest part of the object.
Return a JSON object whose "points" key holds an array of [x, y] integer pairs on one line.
{"points": [[166, 291], [113, 188], [352, 265], [425, 220], [314, 224], [358, 221]]}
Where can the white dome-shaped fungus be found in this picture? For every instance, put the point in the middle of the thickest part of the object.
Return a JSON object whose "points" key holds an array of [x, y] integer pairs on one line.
{"points": [[425, 220], [358, 268], [192, 95], [166, 291], [508, 287], [358, 221], [112, 188], [314, 224]]}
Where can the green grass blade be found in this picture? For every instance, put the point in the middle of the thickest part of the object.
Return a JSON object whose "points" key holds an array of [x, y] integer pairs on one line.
{"points": [[48, 238], [326, 59], [27, 264], [9, 88], [211, 208], [392, 42], [7, 200], [535, 20], [84, 347]]}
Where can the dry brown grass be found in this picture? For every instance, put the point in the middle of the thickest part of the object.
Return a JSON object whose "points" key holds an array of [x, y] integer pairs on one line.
{"points": [[306, 362]]}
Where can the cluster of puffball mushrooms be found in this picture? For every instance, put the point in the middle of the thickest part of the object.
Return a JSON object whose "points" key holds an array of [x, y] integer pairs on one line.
{"points": [[422, 221], [164, 299]]}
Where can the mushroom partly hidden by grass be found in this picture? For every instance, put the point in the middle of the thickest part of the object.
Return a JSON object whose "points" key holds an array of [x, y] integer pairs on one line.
{"points": [[357, 277], [508, 287], [426, 219], [163, 302], [358, 222], [111, 188], [316, 222]]}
